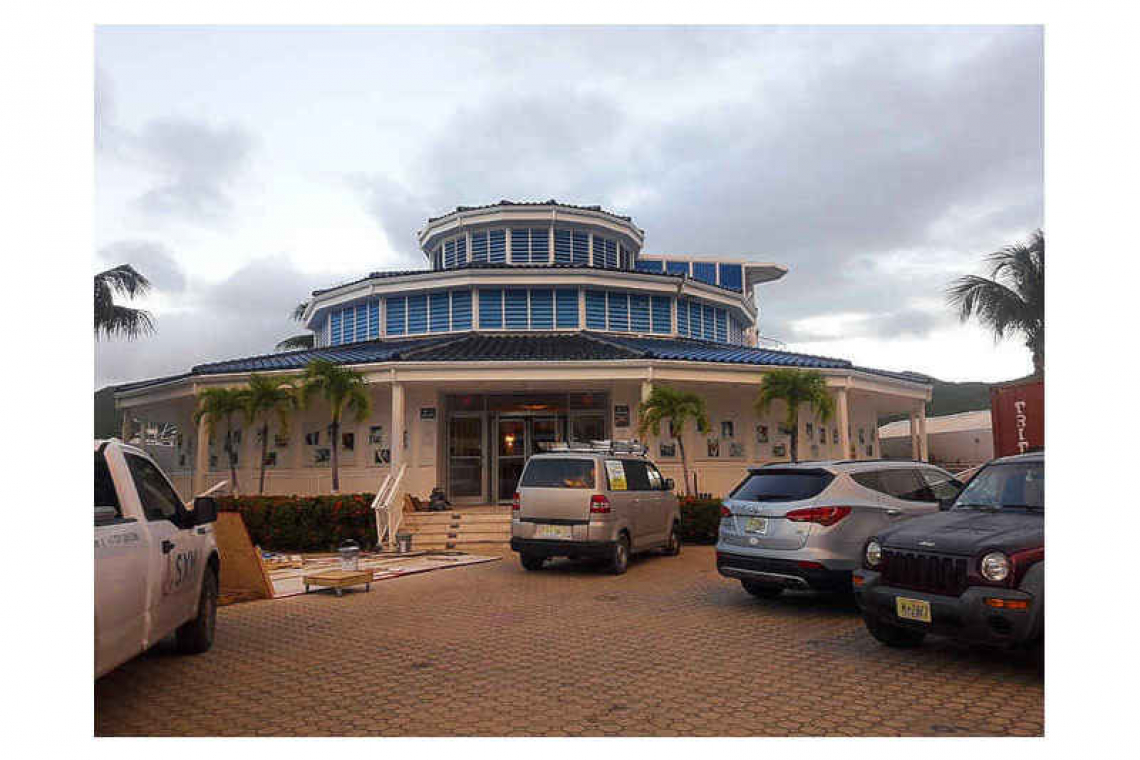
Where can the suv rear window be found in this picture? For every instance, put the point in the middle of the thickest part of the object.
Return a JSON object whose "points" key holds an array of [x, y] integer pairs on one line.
{"points": [[558, 473], [782, 485]]}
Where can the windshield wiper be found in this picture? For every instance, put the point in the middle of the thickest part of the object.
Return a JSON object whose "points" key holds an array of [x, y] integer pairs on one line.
{"points": [[986, 507]]}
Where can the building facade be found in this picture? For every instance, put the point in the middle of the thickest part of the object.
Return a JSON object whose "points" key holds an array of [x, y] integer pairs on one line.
{"points": [[531, 323]]}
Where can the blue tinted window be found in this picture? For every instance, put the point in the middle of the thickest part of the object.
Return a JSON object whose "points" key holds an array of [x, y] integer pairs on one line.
{"points": [[707, 323], [682, 317], [520, 246], [440, 312], [562, 247], [461, 250], [335, 326], [491, 309], [596, 309], [374, 319], [515, 309], [417, 313], [461, 310], [361, 322], [732, 276], [449, 254], [396, 309], [655, 266], [661, 316], [479, 246], [721, 326], [705, 272], [498, 246], [566, 301], [347, 320], [619, 311], [541, 308], [581, 248], [639, 313], [539, 245]]}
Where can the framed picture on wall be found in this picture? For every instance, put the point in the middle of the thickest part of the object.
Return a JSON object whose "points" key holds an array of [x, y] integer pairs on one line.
{"points": [[313, 438], [835, 435], [348, 441], [621, 416], [381, 456], [779, 450], [714, 447], [727, 429], [761, 434], [271, 459], [823, 435], [862, 436], [735, 449], [280, 441], [870, 451], [322, 456], [784, 429], [376, 434], [808, 429], [667, 450]]}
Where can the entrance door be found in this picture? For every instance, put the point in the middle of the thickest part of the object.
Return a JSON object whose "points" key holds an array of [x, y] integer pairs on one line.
{"points": [[511, 451], [465, 459]]}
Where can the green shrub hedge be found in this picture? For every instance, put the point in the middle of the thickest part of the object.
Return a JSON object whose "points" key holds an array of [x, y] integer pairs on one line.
{"points": [[700, 520], [305, 523]]}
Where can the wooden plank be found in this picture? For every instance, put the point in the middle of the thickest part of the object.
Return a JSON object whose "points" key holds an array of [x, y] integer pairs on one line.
{"points": [[242, 573]]}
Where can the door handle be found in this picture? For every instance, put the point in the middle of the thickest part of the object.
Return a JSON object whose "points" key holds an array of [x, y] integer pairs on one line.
{"points": [[167, 546], [894, 512]]}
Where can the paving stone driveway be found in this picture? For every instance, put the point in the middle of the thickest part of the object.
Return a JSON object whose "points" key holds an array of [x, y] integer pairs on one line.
{"points": [[670, 648]]}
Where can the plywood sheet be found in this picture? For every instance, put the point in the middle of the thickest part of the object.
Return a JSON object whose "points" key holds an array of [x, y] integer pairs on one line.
{"points": [[242, 572]]}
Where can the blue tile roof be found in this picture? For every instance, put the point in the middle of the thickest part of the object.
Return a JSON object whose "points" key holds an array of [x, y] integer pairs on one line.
{"points": [[567, 346]]}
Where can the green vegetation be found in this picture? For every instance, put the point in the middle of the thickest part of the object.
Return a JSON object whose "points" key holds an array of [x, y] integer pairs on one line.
{"points": [[267, 396], [219, 405], [665, 403], [113, 320], [795, 387], [345, 391]]}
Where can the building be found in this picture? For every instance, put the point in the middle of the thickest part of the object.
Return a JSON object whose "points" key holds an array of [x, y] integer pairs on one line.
{"points": [[532, 323], [958, 441]]}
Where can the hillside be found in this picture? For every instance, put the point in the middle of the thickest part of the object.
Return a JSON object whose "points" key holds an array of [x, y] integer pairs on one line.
{"points": [[951, 398]]}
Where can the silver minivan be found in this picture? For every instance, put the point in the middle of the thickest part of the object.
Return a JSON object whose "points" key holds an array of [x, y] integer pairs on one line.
{"points": [[591, 503], [803, 526]]}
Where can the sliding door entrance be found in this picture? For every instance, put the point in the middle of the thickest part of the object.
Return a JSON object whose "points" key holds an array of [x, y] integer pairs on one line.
{"points": [[512, 450], [466, 461]]}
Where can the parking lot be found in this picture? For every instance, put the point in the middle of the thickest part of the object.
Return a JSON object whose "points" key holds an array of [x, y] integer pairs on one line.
{"points": [[668, 649]]}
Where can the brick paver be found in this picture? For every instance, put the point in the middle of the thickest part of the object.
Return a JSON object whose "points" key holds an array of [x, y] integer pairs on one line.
{"points": [[668, 649]]}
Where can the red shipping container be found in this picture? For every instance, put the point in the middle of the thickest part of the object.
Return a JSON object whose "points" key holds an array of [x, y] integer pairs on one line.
{"points": [[1018, 412]]}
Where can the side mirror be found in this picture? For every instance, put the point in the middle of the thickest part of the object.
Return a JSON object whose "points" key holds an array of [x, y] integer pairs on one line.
{"points": [[205, 510], [105, 515], [669, 485]]}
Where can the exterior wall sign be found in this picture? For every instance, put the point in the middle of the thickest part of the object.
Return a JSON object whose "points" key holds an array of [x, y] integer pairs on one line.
{"points": [[427, 413], [621, 416]]}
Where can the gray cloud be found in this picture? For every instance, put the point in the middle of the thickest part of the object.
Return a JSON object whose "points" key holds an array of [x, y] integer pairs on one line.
{"points": [[196, 163], [150, 258]]}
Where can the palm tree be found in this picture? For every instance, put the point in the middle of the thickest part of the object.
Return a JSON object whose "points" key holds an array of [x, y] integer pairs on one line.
{"points": [[344, 390], [264, 397], [216, 405], [110, 318], [304, 340], [665, 403], [795, 387], [1012, 298]]}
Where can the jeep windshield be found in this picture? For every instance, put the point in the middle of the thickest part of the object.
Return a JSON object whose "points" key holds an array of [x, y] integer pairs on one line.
{"points": [[1012, 485]]}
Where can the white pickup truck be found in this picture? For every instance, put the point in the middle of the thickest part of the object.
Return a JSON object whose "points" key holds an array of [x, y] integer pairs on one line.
{"points": [[156, 561]]}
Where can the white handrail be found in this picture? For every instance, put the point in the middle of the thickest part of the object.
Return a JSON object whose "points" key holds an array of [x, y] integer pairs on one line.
{"points": [[388, 515], [208, 491]]}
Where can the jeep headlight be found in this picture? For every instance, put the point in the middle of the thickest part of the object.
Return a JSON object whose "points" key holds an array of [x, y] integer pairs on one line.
{"points": [[874, 554], [995, 567]]}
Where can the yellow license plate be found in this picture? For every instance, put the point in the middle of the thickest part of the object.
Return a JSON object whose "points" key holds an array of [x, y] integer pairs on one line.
{"points": [[912, 609], [756, 525], [552, 531]]}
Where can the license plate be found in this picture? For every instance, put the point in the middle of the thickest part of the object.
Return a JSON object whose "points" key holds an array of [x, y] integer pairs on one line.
{"points": [[912, 609], [756, 525], [552, 531]]}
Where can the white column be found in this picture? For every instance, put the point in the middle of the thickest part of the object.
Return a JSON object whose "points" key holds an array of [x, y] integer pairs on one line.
{"points": [[914, 451], [843, 420], [923, 449], [397, 442], [201, 458], [646, 389]]}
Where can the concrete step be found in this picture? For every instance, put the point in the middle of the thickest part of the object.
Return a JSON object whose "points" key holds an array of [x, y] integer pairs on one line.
{"points": [[444, 518]]}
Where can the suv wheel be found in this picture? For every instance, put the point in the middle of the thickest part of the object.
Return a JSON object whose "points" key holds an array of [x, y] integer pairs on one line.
{"points": [[619, 561], [762, 590], [532, 561], [197, 635], [893, 635], [673, 545]]}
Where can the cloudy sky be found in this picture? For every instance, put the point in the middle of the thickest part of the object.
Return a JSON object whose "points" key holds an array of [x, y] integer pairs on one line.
{"points": [[240, 169]]}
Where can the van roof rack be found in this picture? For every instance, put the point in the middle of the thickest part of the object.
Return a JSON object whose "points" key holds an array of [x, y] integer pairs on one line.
{"points": [[632, 446]]}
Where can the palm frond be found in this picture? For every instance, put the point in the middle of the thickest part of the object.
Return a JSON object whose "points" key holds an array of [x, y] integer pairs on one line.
{"points": [[299, 311], [123, 280], [112, 321]]}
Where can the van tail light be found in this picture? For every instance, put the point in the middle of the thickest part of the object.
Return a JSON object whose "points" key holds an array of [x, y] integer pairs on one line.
{"points": [[515, 502], [599, 504], [820, 515], [725, 511]]}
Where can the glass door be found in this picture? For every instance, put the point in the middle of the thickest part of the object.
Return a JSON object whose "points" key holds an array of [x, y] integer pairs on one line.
{"points": [[465, 458], [587, 426], [511, 451]]}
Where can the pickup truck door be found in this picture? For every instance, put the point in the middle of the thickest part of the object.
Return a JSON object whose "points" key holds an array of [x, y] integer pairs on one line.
{"points": [[121, 556], [175, 561]]}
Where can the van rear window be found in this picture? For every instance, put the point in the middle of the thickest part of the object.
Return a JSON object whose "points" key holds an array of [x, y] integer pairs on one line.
{"points": [[558, 473], [786, 485]]}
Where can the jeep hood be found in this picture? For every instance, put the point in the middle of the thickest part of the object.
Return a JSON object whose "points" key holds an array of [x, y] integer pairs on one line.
{"points": [[968, 532]]}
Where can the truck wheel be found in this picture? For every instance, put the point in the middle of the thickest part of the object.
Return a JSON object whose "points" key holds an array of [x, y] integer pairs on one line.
{"points": [[197, 635], [673, 545], [532, 561], [619, 560], [762, 590], [893, 635]]}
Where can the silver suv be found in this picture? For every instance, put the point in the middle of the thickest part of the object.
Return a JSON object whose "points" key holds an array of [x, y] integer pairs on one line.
{"points": [[803, 526], [591, 503]]}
